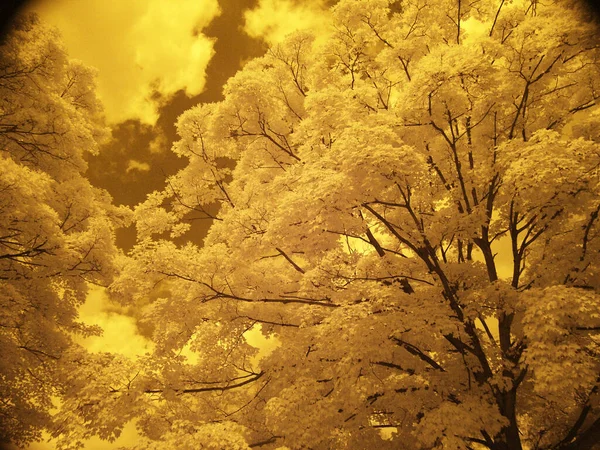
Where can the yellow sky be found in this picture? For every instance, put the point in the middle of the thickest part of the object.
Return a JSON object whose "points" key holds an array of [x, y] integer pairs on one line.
{"points": [[140, 47], [273, 20], [120, 331], [147, 50]]}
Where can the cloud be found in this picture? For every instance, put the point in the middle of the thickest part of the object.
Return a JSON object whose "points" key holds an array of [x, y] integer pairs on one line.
{"points": [[159, 143], [120, 335], [136, 165], [145, 50], [272, 20]]}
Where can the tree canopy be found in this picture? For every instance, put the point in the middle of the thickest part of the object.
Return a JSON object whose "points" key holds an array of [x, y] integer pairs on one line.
{"points": [[367, 182], [373, 181], [56, 230]]}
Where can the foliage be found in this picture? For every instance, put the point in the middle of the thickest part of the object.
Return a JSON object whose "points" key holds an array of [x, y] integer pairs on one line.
{"points": [[56, 230], [370, 182], [376, 177]]}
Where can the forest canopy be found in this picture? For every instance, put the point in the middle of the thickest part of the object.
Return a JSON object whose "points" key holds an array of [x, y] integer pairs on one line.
{"points": [[407, 206], [56, 229]]}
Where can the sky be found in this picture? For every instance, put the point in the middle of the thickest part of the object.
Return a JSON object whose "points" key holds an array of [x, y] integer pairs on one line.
{"points": [[155, 59]]}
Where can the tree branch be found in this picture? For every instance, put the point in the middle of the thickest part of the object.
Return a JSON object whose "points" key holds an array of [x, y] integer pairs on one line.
{"points": [[413, 350], [221, 388]]}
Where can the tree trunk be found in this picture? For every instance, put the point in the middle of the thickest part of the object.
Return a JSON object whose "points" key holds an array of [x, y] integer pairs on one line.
{"points": [[509, 438], [588, 440]]}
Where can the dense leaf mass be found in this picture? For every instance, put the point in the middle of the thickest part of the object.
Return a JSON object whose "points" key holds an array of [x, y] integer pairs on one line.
{"points": [[56, 229], [408, 211], [411, 209]]}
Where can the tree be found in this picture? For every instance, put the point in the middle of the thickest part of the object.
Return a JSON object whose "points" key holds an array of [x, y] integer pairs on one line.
{"points": [[56, 230], [368, 181]]}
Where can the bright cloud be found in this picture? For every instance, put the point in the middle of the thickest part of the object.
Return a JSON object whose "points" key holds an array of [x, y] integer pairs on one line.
{"points": [[120, 332], [136, 165], [273, 20], [145, 50]]}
